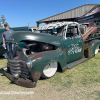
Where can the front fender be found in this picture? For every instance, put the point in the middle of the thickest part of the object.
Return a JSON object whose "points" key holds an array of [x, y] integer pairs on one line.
{"points": [[40, 61]]}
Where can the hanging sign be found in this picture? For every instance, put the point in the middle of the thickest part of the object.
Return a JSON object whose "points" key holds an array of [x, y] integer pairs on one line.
{"points": [[93, 12]]}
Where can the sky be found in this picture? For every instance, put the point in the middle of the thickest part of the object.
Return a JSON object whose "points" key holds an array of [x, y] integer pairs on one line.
{"points": [[21, 12]]}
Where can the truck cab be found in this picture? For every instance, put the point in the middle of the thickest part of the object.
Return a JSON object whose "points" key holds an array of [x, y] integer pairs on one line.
{"points": [[72, 40]]}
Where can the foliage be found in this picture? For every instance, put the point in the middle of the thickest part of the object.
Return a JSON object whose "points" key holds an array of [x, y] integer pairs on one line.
{"points": [[2, 21], [1, 26]]}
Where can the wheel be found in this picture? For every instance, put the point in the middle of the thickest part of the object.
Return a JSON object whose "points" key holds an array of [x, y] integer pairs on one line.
{"points": [[96, 50], [50, 70]]}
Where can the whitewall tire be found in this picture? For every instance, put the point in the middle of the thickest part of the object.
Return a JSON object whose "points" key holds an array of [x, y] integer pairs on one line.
{"points": [[50, 70], [96, 50]]}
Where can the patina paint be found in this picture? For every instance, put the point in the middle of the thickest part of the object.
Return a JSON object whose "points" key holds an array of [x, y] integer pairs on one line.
{"points": [[74, 48], [54, 40], [41, 60]]}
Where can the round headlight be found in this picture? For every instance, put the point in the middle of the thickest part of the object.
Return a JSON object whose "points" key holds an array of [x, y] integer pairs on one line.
{"points": [[29, 64]]}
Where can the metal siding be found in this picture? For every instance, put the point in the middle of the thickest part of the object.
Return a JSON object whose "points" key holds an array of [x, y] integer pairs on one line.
{"points": [[59, 16], [63, 15], [76, 12], [67, 15]]}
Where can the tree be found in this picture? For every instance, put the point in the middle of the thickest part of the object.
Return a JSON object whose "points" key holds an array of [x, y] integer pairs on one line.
{"points": [[1, 26], [2, 21]]}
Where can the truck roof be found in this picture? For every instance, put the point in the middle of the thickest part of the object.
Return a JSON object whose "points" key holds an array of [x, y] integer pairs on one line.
{"points": [[56, 25]]}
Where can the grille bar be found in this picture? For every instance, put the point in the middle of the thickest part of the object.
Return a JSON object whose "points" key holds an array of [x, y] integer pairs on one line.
{"points": [[17, 67], [15, 71]]}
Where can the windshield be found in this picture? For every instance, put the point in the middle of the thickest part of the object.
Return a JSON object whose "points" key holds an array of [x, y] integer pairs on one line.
{"points": [[56, 32]]}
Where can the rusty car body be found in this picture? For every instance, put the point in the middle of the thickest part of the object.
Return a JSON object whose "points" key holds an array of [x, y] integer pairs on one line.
{"points": [[58, 45]]}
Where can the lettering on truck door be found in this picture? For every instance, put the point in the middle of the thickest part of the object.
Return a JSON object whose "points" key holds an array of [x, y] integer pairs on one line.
{"points": [[74, 44]]}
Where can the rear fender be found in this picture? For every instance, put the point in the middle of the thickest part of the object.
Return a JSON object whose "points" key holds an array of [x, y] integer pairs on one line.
{"points": [[93, 44]]}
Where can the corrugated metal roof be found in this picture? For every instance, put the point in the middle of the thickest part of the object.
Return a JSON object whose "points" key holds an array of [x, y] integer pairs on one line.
{"points": [[73, 13]]}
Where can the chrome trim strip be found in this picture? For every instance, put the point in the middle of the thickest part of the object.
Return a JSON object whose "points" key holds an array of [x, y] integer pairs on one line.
{"points": [[15, 68], [17, 71], [15, 61]]}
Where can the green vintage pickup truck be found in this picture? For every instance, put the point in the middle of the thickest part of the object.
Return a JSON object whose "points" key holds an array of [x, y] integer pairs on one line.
{"points": [[2, 50], [58, 45]]}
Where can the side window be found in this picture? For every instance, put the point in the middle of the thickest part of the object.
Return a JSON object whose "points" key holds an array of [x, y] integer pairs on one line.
{"points": [[83, 29], [72, 31]]}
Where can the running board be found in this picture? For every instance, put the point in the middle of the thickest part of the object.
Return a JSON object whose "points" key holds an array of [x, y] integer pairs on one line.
{"points": [[70, 65]]}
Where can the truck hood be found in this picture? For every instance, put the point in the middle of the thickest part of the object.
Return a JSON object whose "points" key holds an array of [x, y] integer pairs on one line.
{"points": [[39, 37]]}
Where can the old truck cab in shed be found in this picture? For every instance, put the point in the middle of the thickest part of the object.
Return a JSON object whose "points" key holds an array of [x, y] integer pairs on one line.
{"points": [[58, 45]]}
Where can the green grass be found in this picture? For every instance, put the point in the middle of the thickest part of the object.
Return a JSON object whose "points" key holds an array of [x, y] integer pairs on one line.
{"points": [[79, 83], [84, 75], [97, 93]]}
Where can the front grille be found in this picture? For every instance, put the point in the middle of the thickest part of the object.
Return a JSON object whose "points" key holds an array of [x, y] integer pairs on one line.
{"points": [[17, 67]]}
